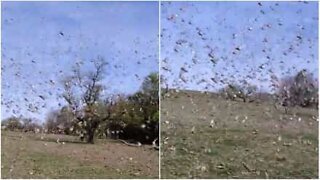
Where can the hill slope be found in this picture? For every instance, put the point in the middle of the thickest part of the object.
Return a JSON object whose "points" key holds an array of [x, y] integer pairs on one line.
{"points": [[206, 136]]}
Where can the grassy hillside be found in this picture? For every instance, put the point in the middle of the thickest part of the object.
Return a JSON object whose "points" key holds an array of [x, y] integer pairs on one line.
{"points": [[206, 136], [28, 155]]}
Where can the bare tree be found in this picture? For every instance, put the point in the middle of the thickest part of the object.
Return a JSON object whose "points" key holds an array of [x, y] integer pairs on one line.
{"points": [[83, 94]]}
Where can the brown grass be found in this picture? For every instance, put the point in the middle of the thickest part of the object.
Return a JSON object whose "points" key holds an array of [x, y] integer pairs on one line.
{"points": [[28, 155], [248, 140]]}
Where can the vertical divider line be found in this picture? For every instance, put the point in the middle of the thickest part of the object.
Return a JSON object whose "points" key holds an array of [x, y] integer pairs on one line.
{"points": [[159, 86], [318, 87], [0, 83]]}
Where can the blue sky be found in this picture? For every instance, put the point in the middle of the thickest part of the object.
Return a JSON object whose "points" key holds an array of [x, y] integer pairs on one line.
{"points": [[235, 42], [42, 40], [245, 40]]}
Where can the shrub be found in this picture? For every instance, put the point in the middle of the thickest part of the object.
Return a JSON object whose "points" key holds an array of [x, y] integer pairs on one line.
{"points": [[12, 123], [299, 90], [234, 91]]}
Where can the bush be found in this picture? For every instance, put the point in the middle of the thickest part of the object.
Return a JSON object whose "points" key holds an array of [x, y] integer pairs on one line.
{"points": [[299, 90], [31, 125], [61, 121], [234, 91], [136, 117], [21, 124], [12, 124]]}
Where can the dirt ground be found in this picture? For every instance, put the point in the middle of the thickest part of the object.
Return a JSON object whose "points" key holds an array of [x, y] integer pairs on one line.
{"points": [[206, 136], [28, 155]]}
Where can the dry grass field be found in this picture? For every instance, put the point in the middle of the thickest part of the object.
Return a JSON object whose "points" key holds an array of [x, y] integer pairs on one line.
{"points": [[206, 136], [28, 155]]}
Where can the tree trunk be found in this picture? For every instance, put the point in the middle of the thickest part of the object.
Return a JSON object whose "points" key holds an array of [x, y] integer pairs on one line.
{"points": [[91, 131], [90, 136]]}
